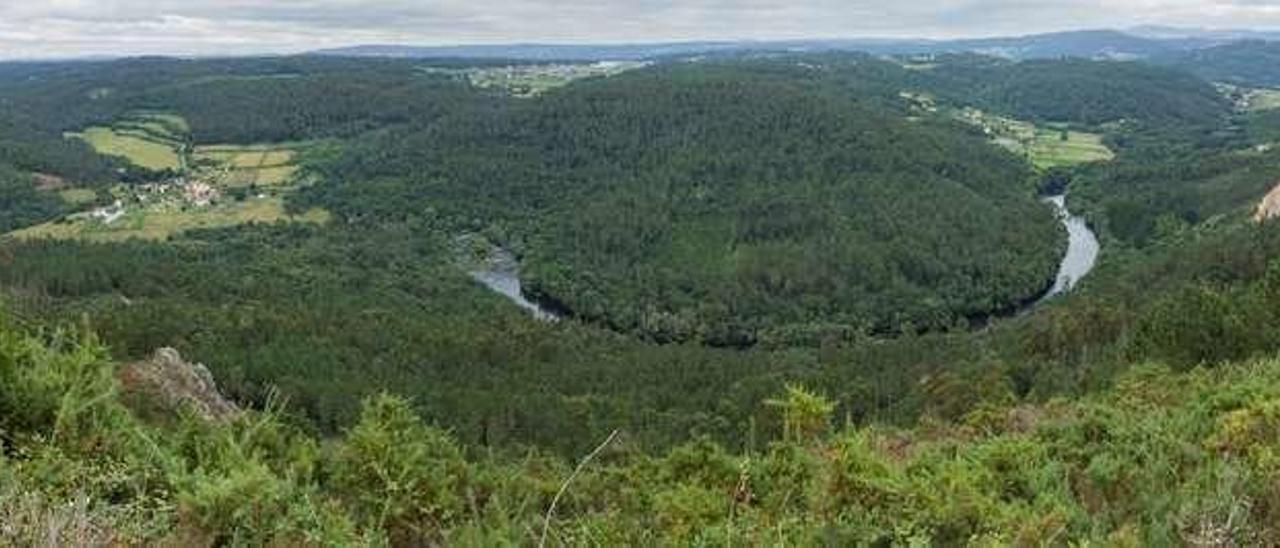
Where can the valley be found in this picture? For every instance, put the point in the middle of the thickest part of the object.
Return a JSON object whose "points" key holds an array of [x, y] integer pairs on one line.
{"points": [[738, 295]]}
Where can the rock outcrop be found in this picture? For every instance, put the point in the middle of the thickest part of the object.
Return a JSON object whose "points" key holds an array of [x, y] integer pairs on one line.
{"points": [[167, 381], [1269, 207]]}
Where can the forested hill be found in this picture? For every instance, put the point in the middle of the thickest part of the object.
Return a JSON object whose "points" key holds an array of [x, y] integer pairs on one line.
{"points": [[1252, 63], [1077, 90], [721, 202], [232, 100]]}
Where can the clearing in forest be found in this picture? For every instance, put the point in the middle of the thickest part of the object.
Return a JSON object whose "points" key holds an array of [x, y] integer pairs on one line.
{"points": [[158, 223], [133, 145], [213, 186], [1263, 99], [1248, 99], [151, 140], [78, 196], [1045, 146], [241, 166], [1062, 147], [536, 79]]}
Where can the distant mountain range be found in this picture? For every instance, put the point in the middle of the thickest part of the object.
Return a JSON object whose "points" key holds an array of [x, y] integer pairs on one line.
{"points": [[1136, 43]]}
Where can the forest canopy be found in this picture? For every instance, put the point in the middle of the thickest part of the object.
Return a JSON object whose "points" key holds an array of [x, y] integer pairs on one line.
{"points": [[716, 202]]}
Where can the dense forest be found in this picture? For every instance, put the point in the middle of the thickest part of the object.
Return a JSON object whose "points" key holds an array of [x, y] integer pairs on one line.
{"points": [[721, 203], [1079, 91], [779, 279], [233, 100], [21, 203], [1251, 63]]}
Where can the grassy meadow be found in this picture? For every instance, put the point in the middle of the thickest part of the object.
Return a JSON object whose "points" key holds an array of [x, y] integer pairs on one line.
{"points": [[134, 147], [1051, 149], [1046, 146]]}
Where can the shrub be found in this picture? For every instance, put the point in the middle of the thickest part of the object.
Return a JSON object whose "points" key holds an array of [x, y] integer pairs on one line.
{"points": [[399, 475]]}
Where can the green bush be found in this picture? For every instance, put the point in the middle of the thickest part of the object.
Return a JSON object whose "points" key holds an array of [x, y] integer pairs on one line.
{"points": [[398, 475]]}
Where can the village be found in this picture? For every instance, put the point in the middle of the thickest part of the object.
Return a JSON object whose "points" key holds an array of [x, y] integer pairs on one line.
{"points": [[210, 186], [179, 193]]}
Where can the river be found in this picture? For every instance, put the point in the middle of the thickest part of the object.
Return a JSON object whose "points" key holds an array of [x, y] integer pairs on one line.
{"points": [[1082, 250], [501, 274]]}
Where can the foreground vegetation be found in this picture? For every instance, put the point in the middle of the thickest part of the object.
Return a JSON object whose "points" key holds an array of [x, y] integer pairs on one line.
{"points": [[1159, 459]]}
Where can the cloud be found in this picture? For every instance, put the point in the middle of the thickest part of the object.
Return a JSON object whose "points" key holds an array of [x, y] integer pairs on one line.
{"points": [[48, 28]]}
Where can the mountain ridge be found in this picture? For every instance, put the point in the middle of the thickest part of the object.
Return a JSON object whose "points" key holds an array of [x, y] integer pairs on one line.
{"points": [[1141, 42]]}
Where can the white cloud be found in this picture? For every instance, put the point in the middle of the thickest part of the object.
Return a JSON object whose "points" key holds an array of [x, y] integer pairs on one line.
{"points": [[46, 28]]}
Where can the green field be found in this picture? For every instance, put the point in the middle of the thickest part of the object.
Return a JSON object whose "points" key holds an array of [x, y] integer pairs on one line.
{"points": [[134, 147], [1051, 149], [159, 223], [1047, 146], [152, 140], [247, 165], [78, 196]]}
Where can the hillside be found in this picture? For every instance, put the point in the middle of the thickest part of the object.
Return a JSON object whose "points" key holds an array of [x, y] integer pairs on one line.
{"points": [[722, 203], [1250, 62], [1078, 91], [1158, 459]]}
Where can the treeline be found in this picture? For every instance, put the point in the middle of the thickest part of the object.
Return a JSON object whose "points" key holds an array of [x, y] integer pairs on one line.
{"points": [[724, 203]]}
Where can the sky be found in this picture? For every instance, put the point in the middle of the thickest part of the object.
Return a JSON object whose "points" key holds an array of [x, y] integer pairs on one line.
{"points": [[67, 28]]}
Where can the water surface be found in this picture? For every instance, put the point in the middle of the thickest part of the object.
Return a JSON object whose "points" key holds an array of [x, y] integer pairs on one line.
{"points": [[1082, 249], [501, 274]]}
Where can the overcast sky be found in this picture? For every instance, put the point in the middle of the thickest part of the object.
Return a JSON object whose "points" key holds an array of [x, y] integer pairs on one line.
{"points": [[59, 28]]}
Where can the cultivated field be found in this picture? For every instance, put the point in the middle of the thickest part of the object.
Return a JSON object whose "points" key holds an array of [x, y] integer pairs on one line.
{"points": [[135, 146], [1061, 147], [240, 166], [159, 223], [1046, 146]]}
